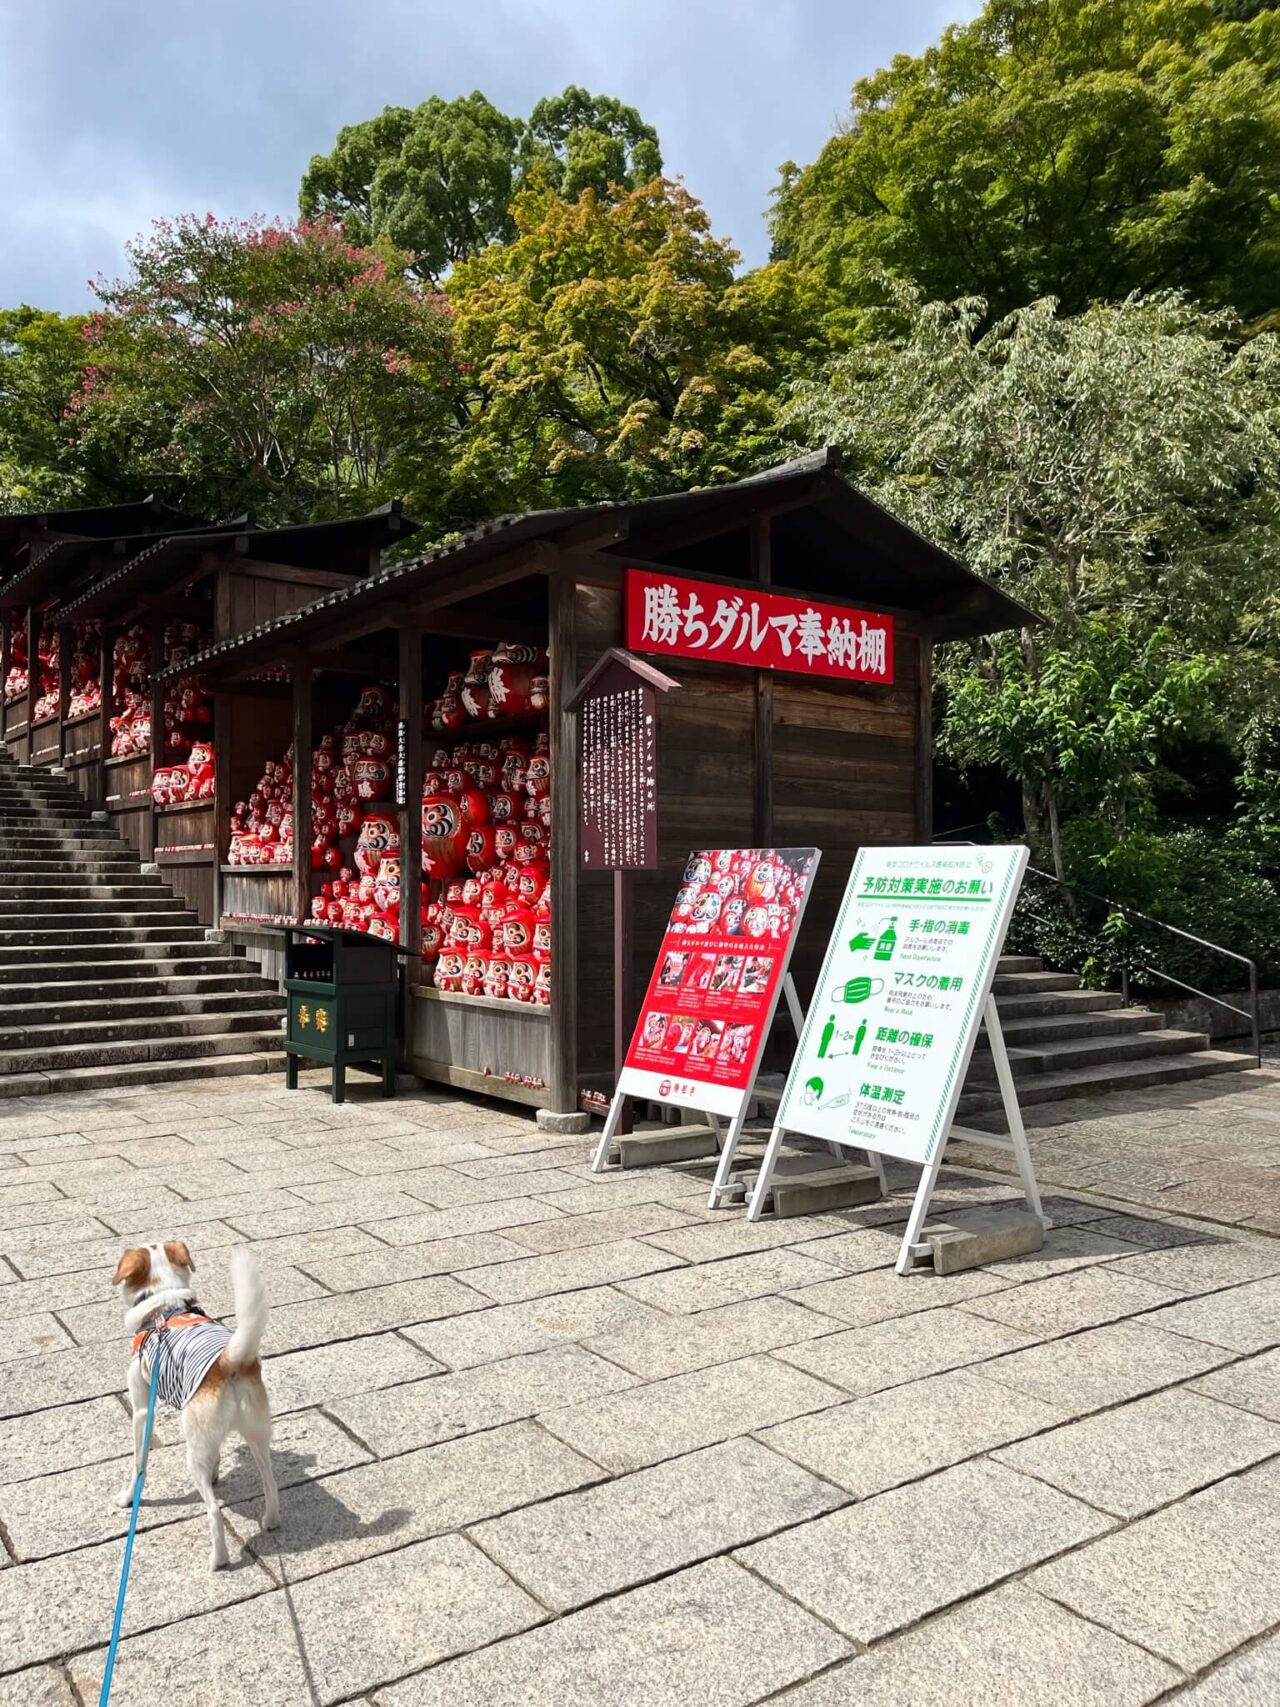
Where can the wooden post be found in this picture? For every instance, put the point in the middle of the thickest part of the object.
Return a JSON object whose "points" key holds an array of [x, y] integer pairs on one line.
{"points": [[6, 664], [302, 745], [762, 570], [106, 680], [562, 589], [33, 671], [222, 713], [409, 782], [64, 687], [155, 664], [623, 984], [924, 740]]}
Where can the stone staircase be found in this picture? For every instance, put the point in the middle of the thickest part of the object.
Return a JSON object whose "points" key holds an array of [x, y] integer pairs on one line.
{"points": [[1064, 1041], [105, 974]]}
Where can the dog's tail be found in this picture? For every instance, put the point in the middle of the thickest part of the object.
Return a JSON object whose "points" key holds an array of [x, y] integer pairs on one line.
{"points": [[250, 1298]]}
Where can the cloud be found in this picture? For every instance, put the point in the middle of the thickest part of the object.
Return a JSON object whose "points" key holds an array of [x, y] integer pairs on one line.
{"points": [[138, 109]]}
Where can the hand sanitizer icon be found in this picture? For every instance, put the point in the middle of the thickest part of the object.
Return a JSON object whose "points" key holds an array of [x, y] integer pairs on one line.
{"points": [[887, 943]]}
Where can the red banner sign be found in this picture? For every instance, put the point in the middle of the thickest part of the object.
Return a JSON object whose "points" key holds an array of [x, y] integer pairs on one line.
{"points": [[684, 618], [710, 1002]]}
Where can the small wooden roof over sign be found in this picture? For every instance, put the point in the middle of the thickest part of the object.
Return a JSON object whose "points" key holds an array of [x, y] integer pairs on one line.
{"points": [[611, 661]]}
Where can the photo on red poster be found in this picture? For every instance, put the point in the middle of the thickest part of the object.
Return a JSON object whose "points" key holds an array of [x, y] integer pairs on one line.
{"points": [[717, 976]]}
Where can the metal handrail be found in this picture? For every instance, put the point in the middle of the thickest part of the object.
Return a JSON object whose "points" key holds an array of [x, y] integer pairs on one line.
{"points": [[1251, 1013]]}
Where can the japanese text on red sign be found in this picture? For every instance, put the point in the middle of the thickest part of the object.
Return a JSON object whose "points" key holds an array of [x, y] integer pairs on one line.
{"points": [[704, 619]]}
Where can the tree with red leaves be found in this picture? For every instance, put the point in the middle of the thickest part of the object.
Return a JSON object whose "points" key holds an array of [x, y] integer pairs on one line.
{"points": [[279, 368]]}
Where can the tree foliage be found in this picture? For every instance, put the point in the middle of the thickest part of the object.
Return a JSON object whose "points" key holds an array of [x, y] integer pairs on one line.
{"points": [[42, 459], [1079, 149], [278, 368], [438, 180]]}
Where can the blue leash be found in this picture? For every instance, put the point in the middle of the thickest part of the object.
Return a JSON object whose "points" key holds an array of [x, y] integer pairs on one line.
{"points": [[133, 1527]]}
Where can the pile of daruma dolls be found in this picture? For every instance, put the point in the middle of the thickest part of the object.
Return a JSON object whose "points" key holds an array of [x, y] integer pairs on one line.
{"points": [[18, 679], [486, 833]]}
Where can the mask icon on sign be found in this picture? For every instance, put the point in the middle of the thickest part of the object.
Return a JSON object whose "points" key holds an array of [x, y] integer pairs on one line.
{"points": [[857, 989]]}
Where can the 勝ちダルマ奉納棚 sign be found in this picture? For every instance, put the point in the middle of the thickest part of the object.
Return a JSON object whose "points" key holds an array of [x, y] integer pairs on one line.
{"points": [[685, 618]]}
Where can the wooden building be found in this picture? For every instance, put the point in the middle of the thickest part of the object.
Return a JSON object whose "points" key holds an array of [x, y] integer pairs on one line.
{"points": [[748, 756], [75, 583]]}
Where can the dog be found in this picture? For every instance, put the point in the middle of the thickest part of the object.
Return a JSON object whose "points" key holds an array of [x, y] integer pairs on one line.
{"points": [[209, 1373]]}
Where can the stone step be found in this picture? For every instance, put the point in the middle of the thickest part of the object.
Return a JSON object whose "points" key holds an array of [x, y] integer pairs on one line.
{"points": [[56, 937], [72, 1012], [113, 959], [210, 985], [1030, 1032], [104, 868], [137, 887], [1020, 963], [128, 1029], [48, 911], [139, 1073], [1053, 1002], [1075, 1052], [1033, 983], [1118, 1076], [165, 1047]]}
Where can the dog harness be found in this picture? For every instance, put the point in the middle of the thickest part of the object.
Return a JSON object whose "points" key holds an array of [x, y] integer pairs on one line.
{"points": [[188, 1344]]}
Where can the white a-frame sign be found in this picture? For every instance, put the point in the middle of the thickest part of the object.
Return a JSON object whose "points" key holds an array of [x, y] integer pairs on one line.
{"points": [[895, 1014]]}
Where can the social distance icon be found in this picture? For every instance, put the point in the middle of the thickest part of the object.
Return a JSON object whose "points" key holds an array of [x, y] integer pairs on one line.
{"points": [[857, 989]]}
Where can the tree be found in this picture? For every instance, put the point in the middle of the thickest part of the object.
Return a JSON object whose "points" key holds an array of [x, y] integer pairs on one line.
{"points": [[270, 367], [590, 142], [43, 460], [1080, 149], [1119, 473], [612, 353], [438, 180]]}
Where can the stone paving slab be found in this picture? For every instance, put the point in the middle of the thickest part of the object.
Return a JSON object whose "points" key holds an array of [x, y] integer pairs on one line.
{"points": [[1068, 1302], [629, 1530], [654, 1345], [333, 1636], [712, 1636], [1253, 1384], [894, 1436], [42, 1687], [1132, 1460], [1010, 1648], [55, 1513], [41, 1443], [879, 1295], [384, 1506], [325, 1373], [509, 1330], [902, 1349], [1215, 1586], [566, 1271], [664, 1419], [425, 1412], [1103, 1366], [891, 1560], [708, 1285], [605, 1226], [1244, 1318], [1249, 1680]]}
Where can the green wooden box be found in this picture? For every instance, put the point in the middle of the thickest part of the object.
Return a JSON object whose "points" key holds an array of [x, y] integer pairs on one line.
{"points": [[342, 989]]}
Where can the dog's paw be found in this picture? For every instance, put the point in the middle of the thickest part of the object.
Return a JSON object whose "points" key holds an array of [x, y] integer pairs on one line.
{"points": [[124, 1499]]}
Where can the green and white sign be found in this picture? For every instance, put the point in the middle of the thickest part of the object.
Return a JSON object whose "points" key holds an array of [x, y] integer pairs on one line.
{"points": [[903, 988]]}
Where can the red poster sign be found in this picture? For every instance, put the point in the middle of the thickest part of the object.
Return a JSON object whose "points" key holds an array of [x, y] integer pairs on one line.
{"points": [[684, 618], [719, 972]]}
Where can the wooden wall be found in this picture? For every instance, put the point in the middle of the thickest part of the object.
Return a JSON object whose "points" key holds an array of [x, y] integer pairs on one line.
{"points": [[15, 728], [844, 776]]}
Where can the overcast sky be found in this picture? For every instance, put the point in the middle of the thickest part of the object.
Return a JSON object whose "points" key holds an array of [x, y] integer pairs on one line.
{"points": [[116, 112]]}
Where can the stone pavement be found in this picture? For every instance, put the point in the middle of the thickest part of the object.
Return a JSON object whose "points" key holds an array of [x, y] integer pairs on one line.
{"points": [[545, 1438]]}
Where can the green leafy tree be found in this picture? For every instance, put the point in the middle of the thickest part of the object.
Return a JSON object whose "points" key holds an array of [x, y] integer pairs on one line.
{"points": [[43, 458], [1080, 149], [277, 368], [438, 180], [1119, 473], [612, 353], [590, 142]]}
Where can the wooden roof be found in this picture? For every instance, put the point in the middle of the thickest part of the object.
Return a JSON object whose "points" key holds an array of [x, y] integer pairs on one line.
{"points": [[828, 538]]}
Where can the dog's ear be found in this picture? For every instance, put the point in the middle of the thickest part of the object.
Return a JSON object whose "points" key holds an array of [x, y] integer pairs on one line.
{"points": [[134, 1267], [180, 1255]]}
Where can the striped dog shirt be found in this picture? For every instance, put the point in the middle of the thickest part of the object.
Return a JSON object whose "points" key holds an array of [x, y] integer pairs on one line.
{"points": [[188, 1349]]}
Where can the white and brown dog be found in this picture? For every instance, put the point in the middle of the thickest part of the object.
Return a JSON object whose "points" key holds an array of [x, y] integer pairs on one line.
{"points": [[207, 1372]]}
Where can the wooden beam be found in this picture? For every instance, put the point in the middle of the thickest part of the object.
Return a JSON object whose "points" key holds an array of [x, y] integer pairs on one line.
{"points": [[222, 714], [223, 622], [410, 710], [106, 680], [64, 686], [596, 531], [155, 665], [924, 739], [33, 670], [302, 745], [762, 571], [564, 848]]}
